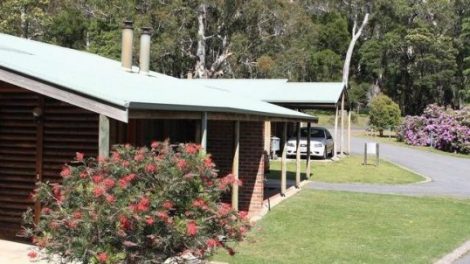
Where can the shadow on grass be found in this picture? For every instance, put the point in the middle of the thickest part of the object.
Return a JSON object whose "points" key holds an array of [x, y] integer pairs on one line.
{"points": [[276, 175]]}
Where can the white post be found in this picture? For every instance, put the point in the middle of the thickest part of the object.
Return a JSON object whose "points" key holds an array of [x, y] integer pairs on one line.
{"points": [[204, 130], [297, 157], [103, 137], [349, 132], [307, 170], [335, 146], [341, 146], [235, 165]]}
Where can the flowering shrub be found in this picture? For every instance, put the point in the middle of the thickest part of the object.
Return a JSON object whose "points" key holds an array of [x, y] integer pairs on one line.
{"points": [[445, 130], [138, 206]]}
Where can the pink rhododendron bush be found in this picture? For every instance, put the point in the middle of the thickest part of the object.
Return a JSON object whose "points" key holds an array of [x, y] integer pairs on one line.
{"points": [[444, 130], [138, 206]]}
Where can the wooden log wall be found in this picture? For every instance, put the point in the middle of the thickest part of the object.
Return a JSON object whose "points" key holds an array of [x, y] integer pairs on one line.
{"points": [[33, 149]]}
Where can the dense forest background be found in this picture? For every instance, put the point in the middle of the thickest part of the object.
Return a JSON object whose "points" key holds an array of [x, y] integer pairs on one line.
{"points": [[415, 51]]}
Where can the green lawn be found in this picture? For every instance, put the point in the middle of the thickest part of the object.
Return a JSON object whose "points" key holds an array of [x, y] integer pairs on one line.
{"points": [[392, 140], [349, 169], [327, 119], [342, 227]]}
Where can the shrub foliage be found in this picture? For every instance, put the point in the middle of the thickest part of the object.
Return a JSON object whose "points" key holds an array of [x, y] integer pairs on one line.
{"points": [[384, 113], [444, 130], [138, 206]]}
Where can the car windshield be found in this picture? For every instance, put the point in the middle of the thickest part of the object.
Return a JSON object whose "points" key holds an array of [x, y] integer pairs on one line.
{"points": [[314, 133]]}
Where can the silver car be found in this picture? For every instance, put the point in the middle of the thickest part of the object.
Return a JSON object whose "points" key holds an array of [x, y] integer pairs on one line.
{"points": [[321, 143]]}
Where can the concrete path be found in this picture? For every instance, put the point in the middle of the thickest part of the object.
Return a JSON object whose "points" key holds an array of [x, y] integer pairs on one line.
{"points": [[15, 253], [450, 176], [463, 260]]}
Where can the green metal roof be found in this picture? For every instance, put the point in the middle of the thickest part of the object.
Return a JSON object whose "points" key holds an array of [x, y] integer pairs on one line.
{"points": [[281, 91], [104, 80]]}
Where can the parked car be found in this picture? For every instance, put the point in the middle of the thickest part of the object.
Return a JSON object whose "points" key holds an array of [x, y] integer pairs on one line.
{"points": [[321, 143]]}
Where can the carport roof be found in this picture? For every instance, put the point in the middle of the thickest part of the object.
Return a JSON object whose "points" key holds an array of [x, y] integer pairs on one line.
{"points": [[94, 80], [282, 92]]}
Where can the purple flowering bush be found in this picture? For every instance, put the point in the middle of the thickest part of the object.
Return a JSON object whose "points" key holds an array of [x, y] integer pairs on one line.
{"points": [[444, 130]]}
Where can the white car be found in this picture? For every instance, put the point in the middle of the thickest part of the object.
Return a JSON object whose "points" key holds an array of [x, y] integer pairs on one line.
{"points": [[321, 143]]}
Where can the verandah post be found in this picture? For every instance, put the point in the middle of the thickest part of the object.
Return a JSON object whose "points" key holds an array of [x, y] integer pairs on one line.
{"points": [[235, 165], [204, 130], [307, 170], [103, 136], [284, 161], [297, 157]]}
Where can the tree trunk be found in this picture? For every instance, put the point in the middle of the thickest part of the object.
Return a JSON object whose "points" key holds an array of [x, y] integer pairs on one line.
{"points": [[355, 37], [200, 70]]}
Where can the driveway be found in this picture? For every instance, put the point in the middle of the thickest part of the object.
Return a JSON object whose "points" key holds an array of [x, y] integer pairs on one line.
{"points": [[450, 176]]}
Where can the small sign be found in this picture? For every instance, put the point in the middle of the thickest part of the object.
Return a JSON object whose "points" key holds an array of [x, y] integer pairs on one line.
{"points": [[371, 148]]}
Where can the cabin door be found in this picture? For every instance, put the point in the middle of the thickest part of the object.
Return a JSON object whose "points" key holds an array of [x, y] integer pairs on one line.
{"points": [[20, 167]]}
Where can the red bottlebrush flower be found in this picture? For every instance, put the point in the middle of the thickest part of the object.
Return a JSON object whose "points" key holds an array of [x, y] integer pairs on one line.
{"points": [[56, 189], [191, 228], [123, 183], [163, 216], [110, 198], [192, 148], [109, 183], [79, 156], [54, 225], [116, 156], [168, 204], [77, 215], [243, 230], [97, 178], [125, 163], [102, 257], [124, 222], [46, 210], [130, 177], [150, 168], [243, 214], [188, 176], [149, 220], [32, 254], [181, 164], [66, 172], [83, 174], [224, 209], [143, 204], [139, 157], [212, 243], [72, 224], [98, 191], [200, 203], [208, 162], [154, 145]]}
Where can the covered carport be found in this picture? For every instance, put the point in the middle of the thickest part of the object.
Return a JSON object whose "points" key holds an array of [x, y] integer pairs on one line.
{"points": [[300, 96]]}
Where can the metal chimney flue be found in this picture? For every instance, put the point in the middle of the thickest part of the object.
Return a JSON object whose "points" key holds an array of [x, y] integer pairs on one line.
{"points": [[144, 58], [127, 39]]}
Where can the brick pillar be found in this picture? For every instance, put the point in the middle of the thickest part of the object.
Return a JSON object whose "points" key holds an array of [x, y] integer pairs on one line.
{"points": [[252, 165], [220, 146]]}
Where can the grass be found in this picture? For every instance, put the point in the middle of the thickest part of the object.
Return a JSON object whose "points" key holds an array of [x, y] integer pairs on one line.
{"points": [[327, 119], [350, 170], [342, 227], [391, 139]]}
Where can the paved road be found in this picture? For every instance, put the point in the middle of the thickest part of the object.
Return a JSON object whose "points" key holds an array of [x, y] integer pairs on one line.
{"points": [[450, 175]]}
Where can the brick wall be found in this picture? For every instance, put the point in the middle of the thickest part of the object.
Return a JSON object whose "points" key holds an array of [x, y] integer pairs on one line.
{"points": [[220, 145]]}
